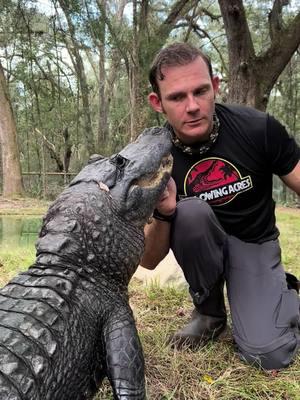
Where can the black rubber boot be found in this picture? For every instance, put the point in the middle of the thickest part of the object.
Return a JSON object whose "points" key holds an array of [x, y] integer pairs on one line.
{"points": [[292, 282], [207, 322]]}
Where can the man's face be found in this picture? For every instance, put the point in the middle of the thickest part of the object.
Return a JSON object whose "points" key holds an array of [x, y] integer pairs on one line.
{"points": [[187, 98]]}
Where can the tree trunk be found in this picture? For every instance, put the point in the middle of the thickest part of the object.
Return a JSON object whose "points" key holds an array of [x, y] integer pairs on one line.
{"points": [[78, 64], [11, 168], [134, 74], [103, 103], [143, 50], [117, 52], [251, 76]]}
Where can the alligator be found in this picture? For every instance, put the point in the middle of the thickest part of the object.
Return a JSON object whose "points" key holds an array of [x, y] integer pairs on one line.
{"points": [[66, 322]]}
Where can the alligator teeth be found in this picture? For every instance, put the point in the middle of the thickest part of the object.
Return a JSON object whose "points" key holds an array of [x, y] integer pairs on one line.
{"points": [[155, 179], [103, 186]]}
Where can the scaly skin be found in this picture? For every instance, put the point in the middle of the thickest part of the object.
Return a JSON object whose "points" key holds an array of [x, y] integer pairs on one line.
{"points": [[66, 323]]}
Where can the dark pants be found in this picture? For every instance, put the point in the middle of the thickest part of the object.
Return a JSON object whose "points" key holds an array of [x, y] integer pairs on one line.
{"points": [[265, 313]]}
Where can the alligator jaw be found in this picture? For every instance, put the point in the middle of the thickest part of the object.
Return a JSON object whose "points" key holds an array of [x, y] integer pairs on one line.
{"points": [[155, 179]]}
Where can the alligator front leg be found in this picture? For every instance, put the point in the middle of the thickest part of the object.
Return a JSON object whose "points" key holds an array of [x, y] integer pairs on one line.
{"points": [[124, 356]]}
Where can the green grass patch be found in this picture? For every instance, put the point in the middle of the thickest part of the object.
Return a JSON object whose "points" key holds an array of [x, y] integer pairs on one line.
{"points": [[13, 261], [214, 372], [288, 222]]}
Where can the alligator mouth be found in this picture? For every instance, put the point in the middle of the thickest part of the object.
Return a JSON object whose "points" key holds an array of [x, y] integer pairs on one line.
{"points": [[154, 180]]}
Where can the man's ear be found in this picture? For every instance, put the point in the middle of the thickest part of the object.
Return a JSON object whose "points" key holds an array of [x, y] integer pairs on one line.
{"points": [[216, 84], [155, 102]]}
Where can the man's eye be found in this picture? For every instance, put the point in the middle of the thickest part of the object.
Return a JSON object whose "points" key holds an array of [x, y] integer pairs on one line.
{"points": [[177, 97], [200, 92]]}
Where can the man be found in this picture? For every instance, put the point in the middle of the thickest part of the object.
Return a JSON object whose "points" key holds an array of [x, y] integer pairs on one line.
{"points": [[217, 213]]}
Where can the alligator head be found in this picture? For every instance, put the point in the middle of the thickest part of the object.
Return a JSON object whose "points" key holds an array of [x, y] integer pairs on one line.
{"points": [[107, 195], [136, 176]]}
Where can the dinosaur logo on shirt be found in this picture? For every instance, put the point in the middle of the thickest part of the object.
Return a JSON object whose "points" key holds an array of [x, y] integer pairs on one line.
{"points": [[215, 181]]}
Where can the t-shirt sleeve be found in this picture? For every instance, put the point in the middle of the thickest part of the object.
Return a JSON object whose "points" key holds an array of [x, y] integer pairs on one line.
{"points": [[282, 149]]}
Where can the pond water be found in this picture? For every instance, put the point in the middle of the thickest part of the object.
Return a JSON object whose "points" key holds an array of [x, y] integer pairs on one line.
{"points": [[19, 231]]}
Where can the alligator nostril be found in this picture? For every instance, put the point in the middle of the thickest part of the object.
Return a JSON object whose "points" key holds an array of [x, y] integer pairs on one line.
{"points": [[95, 157]]}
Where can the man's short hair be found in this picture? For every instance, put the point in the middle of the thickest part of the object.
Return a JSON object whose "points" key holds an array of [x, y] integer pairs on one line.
{"points": [[175, 54]]}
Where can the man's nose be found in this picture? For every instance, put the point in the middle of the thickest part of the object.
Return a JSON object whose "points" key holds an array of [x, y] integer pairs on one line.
{"points": [[192, 104]]}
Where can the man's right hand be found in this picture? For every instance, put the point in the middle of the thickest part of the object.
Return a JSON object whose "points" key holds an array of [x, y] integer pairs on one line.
{"points": [[157, 233], [167, 202]]}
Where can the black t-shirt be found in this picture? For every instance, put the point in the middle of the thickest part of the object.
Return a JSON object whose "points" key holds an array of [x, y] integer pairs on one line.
{"points": [[235, 175]]}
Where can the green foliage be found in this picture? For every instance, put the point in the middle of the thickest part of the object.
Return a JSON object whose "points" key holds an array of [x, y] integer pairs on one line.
{"points": [[285, 97], [37, 50]]}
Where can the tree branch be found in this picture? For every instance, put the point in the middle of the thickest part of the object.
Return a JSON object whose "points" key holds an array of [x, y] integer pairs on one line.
{"points": [[115, 36], [190, 23], [239, 41], [204, 34], [47, 76], [275, 17], [285, 43], [175, 14], [205, 11], [52, 151]]}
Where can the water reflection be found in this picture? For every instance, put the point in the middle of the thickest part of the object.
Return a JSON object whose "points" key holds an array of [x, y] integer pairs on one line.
{"points": [[19, 231]]}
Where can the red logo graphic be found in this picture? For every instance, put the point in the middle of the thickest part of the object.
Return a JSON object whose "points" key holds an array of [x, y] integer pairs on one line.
{"points": [[215, 181]]}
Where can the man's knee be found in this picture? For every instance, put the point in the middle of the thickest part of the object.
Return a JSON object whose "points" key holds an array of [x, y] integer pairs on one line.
{"points": [[276, 355], [275, 342], [198, 241]]}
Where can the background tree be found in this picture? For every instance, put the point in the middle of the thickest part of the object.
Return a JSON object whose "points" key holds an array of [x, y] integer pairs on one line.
{"points": [[73, 47], [77, 70], [251, 76], [12, 180]]}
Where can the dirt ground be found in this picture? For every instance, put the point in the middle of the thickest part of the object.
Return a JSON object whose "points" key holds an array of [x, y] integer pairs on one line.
{"points": [[23, 206], [289, 210], [26, 202]]}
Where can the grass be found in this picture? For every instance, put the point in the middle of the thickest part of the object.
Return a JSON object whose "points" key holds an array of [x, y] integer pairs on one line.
{"points": [[214, 372], [288, 221], [13, 261]]}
